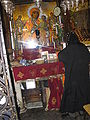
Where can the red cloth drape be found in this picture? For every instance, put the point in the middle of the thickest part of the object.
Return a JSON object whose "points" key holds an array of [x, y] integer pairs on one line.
{"points": [[30, 54], [37, 70], [56, 90]]}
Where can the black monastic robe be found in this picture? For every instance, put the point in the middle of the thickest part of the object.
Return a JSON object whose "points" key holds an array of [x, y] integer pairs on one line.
{"points": [[76, 58]]}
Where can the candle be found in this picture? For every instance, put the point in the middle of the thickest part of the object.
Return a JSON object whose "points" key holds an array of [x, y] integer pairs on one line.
{"points": [[77, 5], [54, 44], [68, 6], [65, 8], [60, 19], [82, 2], [56, 30], [52, 38], [72, 4], [21, 48]]}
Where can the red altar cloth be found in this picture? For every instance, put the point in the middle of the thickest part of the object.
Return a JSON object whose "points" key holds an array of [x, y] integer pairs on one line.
{"points": [[30, 54], [38, 70], [56, 90]]}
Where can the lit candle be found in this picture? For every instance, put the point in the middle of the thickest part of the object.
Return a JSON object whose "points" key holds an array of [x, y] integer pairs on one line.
{"points": [[72, 4], [60, 19], [76, 4], [68, 5], [53, 42], [65, 8], [52, 38], [56, 30], [82, 2], [21, 48]]}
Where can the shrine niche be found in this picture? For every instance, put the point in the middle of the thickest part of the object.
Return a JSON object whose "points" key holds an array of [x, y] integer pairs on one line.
{"points": [[34, 36], [36, 28], [36, 25]]}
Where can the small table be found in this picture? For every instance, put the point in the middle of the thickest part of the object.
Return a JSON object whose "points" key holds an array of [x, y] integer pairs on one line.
{"points": [[36, 71]]}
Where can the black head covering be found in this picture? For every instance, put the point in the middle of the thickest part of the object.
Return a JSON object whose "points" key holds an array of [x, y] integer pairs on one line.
{"points": [[73, 39]]}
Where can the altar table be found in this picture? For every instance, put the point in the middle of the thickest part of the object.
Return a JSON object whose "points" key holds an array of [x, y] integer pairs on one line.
{"points": [[38, 70]]}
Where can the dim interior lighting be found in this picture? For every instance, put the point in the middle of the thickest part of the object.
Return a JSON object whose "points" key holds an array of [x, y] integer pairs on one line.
{"points": [[72, 4]]}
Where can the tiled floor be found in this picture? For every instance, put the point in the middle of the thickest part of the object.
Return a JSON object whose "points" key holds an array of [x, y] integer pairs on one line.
{"points": [[41, 114]]}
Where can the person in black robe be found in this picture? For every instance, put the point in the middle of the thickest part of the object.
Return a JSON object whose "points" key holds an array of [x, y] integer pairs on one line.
{"points": [[76, 59]]}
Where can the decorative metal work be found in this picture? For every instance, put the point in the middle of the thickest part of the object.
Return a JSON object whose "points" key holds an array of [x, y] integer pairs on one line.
{"points": [[74, 5], [7, 101], [3, 95], [8, 6]]}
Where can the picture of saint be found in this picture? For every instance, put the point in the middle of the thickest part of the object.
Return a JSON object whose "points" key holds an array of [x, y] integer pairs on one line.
{"points": [[32, 24], [44, 27], [19, 24], [36, 28]]}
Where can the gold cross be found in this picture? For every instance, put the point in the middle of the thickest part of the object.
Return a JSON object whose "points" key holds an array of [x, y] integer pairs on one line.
{"points": [[20, 74], [43, 71], [53, 100]]}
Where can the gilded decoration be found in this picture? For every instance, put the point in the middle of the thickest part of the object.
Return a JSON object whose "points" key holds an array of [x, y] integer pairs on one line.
{"points": [[53, 100], [38, 24], [20, 75], [43, 71], [81, 6]]}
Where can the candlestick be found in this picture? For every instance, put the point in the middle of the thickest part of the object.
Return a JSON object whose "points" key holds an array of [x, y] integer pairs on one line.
{"points": [[53, 42], [72, 4], [56, 30], [21, 48], [77, 5], [52, 38], [60, 19], [82, 2]]}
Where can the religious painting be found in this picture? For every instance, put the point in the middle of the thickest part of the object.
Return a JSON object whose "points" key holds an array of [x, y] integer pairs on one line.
{"points": [[34, 25]]}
